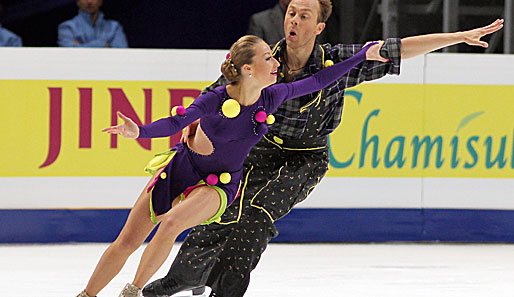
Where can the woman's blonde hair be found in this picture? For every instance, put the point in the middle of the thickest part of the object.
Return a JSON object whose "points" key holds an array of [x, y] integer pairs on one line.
{"points": [[241, 52]]}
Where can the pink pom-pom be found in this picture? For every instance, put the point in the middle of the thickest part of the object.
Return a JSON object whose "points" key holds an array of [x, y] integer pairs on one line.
{"points": [[261, 129], [227, 56], [181, 110], [261, 116], [212, 179]]}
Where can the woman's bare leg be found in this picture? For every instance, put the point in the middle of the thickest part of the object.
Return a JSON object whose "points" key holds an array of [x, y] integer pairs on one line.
{"points": [[199, 206], [137, 228]]}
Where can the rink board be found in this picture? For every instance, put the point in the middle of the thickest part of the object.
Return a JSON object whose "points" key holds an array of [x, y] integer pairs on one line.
{"points": [[300, 225], [442, 168]]}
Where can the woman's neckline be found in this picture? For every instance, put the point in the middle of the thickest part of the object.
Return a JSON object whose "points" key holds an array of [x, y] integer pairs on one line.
{"points": [[242, 105]]}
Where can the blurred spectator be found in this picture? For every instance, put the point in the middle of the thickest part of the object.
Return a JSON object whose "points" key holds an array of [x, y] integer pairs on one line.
{"points": [[8, 38], [90, 29], [269, 24]]}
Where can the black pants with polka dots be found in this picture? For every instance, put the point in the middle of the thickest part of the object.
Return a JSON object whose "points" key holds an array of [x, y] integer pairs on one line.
{"points": [[222, 255]]}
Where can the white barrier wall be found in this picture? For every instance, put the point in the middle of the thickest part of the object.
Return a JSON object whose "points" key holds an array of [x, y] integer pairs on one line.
{"points": [[55, 102]]}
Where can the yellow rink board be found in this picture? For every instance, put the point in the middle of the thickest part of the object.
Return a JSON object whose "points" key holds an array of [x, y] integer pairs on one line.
{"points": [[468, 127]]}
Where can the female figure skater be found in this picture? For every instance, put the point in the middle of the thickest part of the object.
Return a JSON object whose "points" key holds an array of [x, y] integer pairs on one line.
{"points": [[203, 176]]}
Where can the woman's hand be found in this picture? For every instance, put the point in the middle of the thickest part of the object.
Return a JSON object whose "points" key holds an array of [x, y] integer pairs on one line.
{"points": [[189, 130], [472, 37], [129, 129], [373, 52]]}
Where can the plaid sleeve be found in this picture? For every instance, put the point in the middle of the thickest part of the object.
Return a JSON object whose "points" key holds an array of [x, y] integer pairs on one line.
{"points": [[369, 70], [222, 81]]}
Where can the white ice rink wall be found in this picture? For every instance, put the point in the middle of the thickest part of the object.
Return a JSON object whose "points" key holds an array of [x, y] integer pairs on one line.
{"points": [[426, 156]]}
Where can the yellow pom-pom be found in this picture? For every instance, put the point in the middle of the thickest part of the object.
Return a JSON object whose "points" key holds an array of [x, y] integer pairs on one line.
{"points": [[270, 119], [329, 63], [225, 178], [278, 140], [163, 175], [231, 108], [174, 111]]}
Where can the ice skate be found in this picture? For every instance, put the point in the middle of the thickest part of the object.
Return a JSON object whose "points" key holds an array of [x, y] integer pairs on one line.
{"points": [[165, 288], [84, 294], [130, 291]]}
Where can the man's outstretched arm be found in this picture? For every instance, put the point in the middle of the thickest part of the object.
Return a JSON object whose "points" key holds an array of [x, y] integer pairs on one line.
{"points": [[423, 44]]}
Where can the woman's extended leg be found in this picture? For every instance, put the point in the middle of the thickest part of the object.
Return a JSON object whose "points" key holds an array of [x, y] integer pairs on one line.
{"points": [[137, 227], [201, 204]]}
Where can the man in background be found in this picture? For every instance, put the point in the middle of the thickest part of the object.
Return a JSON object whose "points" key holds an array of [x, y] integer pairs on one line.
{"points": [[8, 38], [269, 24], [90, 29]]}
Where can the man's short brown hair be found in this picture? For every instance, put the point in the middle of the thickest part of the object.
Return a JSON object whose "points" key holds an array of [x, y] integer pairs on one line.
{"points": [[325, 10]]}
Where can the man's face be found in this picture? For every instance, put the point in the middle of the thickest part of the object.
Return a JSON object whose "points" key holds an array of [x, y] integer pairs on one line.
{"points": [[89, 6], [301, 22]]}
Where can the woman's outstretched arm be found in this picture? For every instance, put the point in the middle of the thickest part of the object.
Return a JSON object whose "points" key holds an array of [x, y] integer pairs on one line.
{"points": [[204, 104], [279, 93]]}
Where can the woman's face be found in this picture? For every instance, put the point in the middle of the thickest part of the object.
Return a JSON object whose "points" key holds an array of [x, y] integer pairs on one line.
{"points": [[264, 66]]}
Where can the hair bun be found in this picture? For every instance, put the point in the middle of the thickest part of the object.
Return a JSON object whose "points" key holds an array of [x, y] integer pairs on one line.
{"points": [[229, 70]]}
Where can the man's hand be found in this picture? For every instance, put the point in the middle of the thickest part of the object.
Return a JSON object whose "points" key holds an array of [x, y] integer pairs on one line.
{"points": [[373, 52], [189, 130], [472, 37]]}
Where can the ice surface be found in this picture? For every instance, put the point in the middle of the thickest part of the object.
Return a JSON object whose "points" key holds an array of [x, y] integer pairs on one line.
{"points": [[299, 270]]}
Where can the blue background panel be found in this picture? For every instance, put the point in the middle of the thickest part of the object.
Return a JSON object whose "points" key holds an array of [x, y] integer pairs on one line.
{"points": [[301, 225]]}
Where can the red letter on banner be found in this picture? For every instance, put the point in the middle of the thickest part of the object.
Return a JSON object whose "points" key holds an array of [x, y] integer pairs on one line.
{"points": [[119, 102], [86, 106], [55, 120]]}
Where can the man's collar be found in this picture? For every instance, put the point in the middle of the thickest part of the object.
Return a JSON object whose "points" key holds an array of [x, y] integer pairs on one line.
{"points": [[314, 63], [87, 17]]}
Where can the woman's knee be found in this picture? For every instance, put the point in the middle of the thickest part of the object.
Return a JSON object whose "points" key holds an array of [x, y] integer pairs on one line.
{"points": [[170, 224], [126, 244]]}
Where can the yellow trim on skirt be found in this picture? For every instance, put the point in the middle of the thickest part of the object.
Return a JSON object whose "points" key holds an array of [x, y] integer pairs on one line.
{"points": [[159, 161], [215, 218]]}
